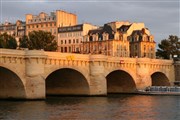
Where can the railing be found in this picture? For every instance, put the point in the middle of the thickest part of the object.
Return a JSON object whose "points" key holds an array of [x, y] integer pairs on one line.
{"points": [[163, 89]]}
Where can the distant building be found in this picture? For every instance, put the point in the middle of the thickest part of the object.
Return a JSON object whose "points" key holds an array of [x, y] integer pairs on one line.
{"points": [[70, 38], [51, 22], [106, 40], [21, 29], [17, 29], [118, 39], [142, 44], [9, 28]]}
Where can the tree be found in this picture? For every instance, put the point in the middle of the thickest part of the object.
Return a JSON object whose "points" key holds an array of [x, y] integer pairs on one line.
{"points": [[24, 42], [7, 41], [170, 46], [39, 40]]}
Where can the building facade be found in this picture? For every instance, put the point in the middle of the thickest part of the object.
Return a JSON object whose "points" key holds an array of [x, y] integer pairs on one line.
{"points": [[51, 22], [20, 29], [70, 38], [120, 39], [142, 44], [16, 30], [106, 40], [9, 28]]}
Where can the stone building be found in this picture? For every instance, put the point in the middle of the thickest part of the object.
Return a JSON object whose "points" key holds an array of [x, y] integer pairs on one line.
{"points": [[9, 28], [51, 22], [123, 39], [20, 29], [17, 29], [107, 41], [70, 38], [142, 44]]}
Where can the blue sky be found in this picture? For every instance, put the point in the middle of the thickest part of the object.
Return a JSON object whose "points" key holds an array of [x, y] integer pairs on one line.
{"points": [[162, 17]]}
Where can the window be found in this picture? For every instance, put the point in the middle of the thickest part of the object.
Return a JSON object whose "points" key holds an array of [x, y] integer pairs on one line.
{"points": [[64, 41], [37, 26], [61, 41], [77, 41], [41, 25], [77, 49], [69, 49], [69, 41], [46, 25], [65, 49], [73, 40], [62, 49]]}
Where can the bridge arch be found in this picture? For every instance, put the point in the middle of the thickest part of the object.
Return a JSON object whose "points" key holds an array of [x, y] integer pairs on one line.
{"points": [[120, 81], [11, 85], [67, 81], [159, 79]]}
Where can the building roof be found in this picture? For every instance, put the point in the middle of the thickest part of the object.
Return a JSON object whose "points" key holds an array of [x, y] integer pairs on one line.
{"points": [[94, 31], [139, 32], [124, 28], [105, 29]]}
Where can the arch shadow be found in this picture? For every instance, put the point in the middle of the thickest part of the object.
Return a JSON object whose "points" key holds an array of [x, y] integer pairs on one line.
{"points": [[11, 86], [119, 81], [159, 79], [66, 81]]}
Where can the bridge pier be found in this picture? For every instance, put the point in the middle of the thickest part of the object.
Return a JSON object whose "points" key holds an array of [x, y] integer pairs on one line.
{"points": [[98, 84], [34, 68], [35, 87], [143, 77]]}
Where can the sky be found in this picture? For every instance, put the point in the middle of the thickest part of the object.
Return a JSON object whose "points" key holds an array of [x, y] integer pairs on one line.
{"points": [[161, 17]]}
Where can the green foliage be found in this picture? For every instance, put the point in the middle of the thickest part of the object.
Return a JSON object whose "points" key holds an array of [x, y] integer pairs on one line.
{"points": [[7, 41], [170, 46], [39, 40], [24, 42]]}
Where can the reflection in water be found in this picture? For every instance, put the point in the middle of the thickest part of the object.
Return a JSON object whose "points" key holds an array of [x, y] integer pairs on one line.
{"points": [[125, 107]]}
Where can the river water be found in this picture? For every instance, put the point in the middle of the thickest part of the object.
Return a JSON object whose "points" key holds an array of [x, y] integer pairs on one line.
{"points": [[113, 107]]}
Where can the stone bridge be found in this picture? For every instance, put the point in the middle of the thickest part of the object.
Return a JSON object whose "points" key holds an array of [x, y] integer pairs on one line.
{"points": [[33, 74]]}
